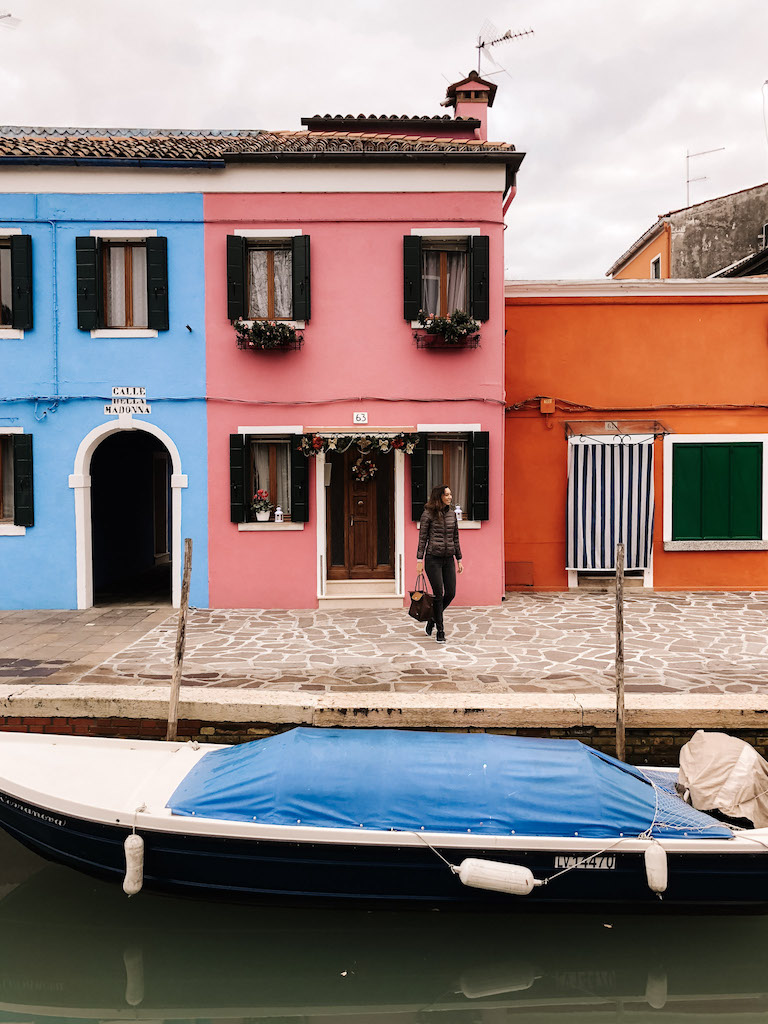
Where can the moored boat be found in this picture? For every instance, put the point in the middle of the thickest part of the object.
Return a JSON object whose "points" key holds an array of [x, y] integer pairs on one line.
{"points": [[376, 816]]}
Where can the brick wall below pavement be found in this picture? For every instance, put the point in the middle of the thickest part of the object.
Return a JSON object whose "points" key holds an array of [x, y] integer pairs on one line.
{"points": [[644, 746]]}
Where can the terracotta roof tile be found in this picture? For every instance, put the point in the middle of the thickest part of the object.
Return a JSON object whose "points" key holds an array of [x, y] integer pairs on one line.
{"points": [[204, 145]]}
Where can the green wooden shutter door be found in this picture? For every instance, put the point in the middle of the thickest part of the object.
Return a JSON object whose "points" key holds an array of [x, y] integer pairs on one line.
{"points": [[300, 271], [23, 491], [236, 295], [157, 283], [411, 277], [239, 445], [88, 253], [479, 277], [715, 491], [419, 478], [746, 491], [479, 470], [21, 282], [686, 492], [299, 482]]}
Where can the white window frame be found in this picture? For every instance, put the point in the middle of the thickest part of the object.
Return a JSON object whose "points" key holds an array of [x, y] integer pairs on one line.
{"points": [[258, 234], [670, 441], [267, 433], [453, 428], [10, 333], [11, 529], [656, 259], [434, 234], [124, 235]]}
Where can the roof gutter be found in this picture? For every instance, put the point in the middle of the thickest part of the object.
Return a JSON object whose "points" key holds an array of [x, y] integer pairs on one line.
{"points": [[98, 161]]}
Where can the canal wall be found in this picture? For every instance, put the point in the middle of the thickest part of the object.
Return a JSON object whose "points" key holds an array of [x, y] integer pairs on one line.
{"points": [[657, 725]]}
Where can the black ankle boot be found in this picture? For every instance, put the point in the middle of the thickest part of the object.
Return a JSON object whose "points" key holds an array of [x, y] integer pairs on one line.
{"points": [[430, 626], [440, 636]]}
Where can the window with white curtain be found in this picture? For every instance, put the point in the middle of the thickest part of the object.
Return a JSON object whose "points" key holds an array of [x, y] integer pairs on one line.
{"points": [[444, 276], [270, 284], [448, 464], [6, 302], [271, 472], [125, 284]]}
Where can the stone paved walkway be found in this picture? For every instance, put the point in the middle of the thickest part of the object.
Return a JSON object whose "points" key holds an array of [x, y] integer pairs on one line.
{"points": [[555, 643]]}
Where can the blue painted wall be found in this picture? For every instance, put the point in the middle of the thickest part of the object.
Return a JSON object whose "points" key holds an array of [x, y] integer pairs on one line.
{"points": [[56, 380]]}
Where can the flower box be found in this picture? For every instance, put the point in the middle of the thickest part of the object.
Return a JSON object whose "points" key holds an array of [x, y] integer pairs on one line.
{"points": [[267, 336], [457, 330]]}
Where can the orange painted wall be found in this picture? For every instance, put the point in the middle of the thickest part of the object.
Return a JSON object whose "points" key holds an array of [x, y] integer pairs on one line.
{"points": [[639, 267], [676, 360]]}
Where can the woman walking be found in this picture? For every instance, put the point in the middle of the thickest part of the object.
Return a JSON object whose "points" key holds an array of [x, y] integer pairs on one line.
{"points": [[439, 540]]}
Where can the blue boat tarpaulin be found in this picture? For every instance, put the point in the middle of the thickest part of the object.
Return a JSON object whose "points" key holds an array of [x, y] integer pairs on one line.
{"points": [[439, 782]]}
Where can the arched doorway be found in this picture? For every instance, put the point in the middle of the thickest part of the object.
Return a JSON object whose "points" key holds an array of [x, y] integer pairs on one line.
{"points": [[130, 519], [80, 482]]}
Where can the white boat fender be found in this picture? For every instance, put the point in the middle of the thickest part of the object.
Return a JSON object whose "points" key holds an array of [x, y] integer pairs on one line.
{"points": [[133, 958], [134, 864], [656, 869], [656, 988], [495, 876], [497, 980]]}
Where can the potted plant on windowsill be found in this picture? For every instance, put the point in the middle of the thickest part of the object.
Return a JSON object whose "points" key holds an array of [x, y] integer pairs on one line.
{"points": [[456, 330], [261, 506], [267, 335]]}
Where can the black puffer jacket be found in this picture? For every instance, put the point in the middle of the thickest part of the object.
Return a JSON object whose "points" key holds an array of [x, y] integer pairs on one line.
{"points": [[439, 534]]}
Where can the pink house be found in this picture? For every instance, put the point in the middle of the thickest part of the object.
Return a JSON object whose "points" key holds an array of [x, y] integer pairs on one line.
{"points": [[322, 247]]}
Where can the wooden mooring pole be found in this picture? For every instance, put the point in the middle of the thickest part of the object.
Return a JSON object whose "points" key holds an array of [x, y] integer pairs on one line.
{"points": [[620, 743], [181, 636]]}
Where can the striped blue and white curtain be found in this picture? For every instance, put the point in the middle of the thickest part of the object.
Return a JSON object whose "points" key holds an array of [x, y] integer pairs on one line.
{"points": [[610, 501]]}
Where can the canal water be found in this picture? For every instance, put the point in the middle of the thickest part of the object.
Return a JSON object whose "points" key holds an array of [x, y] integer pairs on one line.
{"points": [[76, 950]]}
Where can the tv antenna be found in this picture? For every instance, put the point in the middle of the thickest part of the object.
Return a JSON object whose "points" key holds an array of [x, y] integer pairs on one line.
{"points": [[688, 178], [491, 36], [7, 19]]}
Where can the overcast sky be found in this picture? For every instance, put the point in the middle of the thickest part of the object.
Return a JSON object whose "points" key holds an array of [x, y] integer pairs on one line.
{"points": [[605, 98]]}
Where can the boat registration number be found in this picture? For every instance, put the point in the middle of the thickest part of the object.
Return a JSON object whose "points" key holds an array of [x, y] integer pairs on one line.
{"points": [[605, 863]]}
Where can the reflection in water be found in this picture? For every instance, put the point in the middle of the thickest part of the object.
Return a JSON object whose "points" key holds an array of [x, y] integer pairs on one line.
{"points": [[75, 949]]}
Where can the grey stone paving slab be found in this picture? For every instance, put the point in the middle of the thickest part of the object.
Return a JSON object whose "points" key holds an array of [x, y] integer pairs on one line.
{"points": [[533, 643]]}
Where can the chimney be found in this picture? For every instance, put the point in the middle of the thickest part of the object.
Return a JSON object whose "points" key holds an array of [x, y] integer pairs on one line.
{"points": [[471, 97]]}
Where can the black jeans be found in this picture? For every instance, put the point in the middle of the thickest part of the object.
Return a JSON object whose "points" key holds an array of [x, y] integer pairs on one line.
{"points": [[442, 577]]}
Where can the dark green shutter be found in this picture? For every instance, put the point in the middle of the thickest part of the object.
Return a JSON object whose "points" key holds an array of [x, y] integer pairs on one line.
{"points": [[88, 254], [717, 491], [21, 282], [411, 277], [236, 276], [157, 283], [479, 277], [300, 270], [746, 491], [299, 482], [686, 492], [478, 475], [23, 491], [239, 446], [419, 478]]}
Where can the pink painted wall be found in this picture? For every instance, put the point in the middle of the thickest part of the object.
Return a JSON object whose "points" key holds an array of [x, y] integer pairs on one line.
{"points": [[358, 353]]}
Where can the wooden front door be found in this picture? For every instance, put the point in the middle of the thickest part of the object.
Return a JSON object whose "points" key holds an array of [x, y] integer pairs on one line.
{"points": [[360, 519]]}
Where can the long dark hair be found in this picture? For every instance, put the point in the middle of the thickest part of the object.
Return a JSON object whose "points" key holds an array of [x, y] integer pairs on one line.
{"points": [[435, 503]]}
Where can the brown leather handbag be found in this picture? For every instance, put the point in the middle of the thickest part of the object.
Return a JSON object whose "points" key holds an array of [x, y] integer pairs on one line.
{"points": [[422, 602]]}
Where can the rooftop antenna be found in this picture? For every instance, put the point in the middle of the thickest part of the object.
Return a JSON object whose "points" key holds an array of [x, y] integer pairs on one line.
{"points": [[491, 36], [688, 178], [7, 19]]}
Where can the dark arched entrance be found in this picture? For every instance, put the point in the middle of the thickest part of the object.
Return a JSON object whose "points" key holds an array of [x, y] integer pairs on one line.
{"points": [[131, 522]]}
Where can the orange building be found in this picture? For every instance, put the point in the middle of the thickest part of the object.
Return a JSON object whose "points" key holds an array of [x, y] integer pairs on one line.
{"points": [[637, 411]]}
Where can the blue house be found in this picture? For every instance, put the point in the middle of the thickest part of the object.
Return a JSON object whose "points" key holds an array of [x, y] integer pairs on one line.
{"points": [[103, 461]]}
